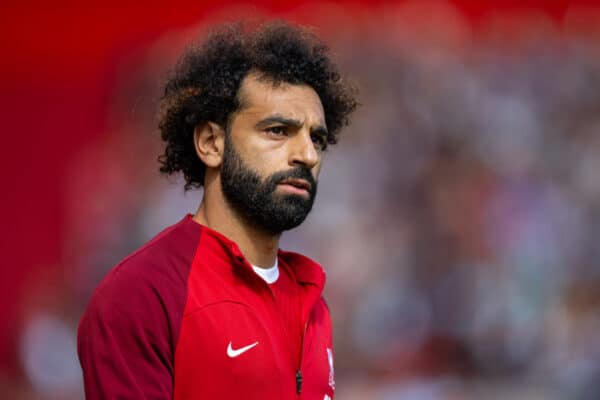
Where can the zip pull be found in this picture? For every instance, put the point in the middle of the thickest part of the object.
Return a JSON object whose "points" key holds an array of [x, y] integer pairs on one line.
{"points": [[298, 381]]}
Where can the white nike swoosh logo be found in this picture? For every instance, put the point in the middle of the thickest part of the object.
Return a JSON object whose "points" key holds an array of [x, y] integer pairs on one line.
{"points": [[234, 353]]}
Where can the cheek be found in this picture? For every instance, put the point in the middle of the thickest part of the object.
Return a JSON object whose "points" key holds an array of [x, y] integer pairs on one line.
{"points": [[266, 163], [260, 158], [316, 170]]}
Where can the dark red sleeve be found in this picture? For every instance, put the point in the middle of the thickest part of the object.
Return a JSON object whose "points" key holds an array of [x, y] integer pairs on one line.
{"points": [[128, 334], [123, 344]]}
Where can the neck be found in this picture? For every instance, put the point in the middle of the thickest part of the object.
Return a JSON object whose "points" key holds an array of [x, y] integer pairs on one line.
{"points": [[259, 248]]}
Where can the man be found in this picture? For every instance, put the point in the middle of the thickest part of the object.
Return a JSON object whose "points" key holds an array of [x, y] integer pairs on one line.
{"points": [[211, 308]]}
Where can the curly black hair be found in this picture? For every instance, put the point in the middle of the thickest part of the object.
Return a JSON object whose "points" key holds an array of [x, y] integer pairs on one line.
{"points": [[204, 85]]}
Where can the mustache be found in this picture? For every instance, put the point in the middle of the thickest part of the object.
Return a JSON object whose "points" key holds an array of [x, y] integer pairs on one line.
{"points": [[295, 173]]}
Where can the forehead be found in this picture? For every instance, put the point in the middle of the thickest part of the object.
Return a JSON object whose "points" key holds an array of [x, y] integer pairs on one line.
{"points": [[260, 97]]}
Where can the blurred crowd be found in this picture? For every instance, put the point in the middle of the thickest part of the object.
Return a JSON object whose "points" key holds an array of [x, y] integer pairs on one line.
{"points": [[456, 219]]}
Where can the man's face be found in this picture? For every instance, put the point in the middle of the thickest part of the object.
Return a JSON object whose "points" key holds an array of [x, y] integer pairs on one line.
{"points": [[272, 154]]}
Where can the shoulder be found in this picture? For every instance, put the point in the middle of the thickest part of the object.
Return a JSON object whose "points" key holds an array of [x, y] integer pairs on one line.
{"points": [[166, 258], [151, 279]]}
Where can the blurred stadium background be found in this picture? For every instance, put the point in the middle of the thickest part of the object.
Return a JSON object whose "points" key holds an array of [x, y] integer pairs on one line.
{"points": [[458, 219]]}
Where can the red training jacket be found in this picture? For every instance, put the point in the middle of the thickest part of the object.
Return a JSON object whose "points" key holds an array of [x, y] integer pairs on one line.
{"points": [[186, 317]]}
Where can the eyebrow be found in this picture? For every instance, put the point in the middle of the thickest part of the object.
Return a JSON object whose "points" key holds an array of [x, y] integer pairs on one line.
{"points": [[294, 123]]}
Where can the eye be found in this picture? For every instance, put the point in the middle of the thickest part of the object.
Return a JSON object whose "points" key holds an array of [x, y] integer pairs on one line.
{"points": [[319, 141], [277, 130]]}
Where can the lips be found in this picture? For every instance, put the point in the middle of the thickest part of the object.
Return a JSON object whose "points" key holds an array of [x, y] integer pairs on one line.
{"points": [[298, 183]]}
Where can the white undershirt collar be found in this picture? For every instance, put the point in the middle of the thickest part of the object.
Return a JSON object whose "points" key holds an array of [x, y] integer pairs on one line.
{"points": [[269, 275]]}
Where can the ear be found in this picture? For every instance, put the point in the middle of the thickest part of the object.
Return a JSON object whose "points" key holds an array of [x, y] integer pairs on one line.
{"points": [[209, 140]]}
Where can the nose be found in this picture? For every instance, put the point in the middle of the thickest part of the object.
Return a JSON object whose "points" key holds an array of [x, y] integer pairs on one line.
{"points": [[303, 151]]}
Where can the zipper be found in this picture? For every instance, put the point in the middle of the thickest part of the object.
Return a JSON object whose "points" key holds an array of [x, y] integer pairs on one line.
{"points": [[298, 381], [299, 371]]}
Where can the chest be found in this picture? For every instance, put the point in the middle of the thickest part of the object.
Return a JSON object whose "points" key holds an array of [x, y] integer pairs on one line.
{"points": [[239, 345]]}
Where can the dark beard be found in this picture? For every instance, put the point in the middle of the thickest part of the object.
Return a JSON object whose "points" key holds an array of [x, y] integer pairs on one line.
{"points": [[256, 202]]}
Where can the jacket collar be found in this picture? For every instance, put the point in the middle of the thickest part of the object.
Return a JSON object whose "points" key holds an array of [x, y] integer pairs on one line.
{"points": [[305, 270]]}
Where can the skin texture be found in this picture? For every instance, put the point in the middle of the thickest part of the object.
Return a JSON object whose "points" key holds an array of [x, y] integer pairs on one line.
{"points": [[267, 147]]}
